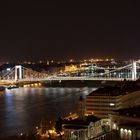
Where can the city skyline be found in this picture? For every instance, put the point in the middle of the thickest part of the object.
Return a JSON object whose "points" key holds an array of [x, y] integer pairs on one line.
{"points": [[65, 30], [69, 70]]}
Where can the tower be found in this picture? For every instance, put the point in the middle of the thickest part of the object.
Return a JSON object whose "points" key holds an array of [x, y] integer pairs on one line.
{"points": [[18, 72], [134, 71]]}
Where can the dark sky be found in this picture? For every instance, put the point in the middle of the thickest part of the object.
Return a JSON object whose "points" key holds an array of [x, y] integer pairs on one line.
{"points": [[71, 29]]}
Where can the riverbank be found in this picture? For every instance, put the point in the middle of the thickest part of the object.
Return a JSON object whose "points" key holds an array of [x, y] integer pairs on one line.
{"points": [[80, 83]]}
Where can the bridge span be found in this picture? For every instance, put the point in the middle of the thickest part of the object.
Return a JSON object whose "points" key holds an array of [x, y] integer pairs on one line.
{"points": [[19, 74]]}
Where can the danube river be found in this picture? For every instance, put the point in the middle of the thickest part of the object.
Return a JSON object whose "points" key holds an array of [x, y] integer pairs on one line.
{"points": [[22, 109]]}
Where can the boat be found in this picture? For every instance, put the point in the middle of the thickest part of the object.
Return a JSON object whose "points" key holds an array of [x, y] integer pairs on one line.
{"points": [[12, 86]]}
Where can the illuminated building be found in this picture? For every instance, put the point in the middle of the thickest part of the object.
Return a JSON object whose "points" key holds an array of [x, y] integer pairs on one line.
{"points": [[127, 123], [86, 129], [105, 100], [102, 101], [70, 68]]}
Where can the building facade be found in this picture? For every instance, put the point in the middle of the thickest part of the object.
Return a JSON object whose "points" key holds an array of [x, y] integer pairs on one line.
{"points": [[104, 101], [127, 123], [83, 131]]}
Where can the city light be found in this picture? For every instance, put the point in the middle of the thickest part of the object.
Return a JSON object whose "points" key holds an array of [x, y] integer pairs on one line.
{"points": [[8, 69], [112, 104], [70, 70]]}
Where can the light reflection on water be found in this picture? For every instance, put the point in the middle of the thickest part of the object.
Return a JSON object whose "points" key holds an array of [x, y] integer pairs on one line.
{"points": [[22, 109]]}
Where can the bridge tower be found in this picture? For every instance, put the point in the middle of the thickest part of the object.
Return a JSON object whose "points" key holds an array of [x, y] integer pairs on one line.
{"points": [[18, 72], [134, 70]]}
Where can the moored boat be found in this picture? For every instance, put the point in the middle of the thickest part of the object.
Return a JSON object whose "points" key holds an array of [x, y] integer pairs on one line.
{"points": [[12, 86]]}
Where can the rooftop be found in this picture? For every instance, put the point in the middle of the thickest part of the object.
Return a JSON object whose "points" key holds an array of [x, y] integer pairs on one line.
{"points": [[68, 126], [123, 87], [78, 123], [108, 90], [131, 112]]}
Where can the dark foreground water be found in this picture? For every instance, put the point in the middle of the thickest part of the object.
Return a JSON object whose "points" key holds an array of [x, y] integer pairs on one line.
{"points": [[23, 108]]}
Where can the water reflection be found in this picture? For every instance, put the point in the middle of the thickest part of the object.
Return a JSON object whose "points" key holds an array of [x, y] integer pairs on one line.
{"points": [[22, 109]]}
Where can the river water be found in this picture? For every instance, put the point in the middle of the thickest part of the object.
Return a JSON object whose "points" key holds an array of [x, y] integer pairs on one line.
{"points": [[22, 109]]}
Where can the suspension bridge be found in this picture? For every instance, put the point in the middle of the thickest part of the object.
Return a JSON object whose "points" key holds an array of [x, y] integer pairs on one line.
{"points": [[22, 74]]}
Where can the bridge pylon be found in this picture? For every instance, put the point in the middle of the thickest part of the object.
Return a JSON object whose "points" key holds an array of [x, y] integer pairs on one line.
{"points": [[18, 72], [134, 70]]}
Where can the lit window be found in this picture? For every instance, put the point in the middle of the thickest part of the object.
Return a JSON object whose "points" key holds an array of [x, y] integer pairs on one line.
{"points": [[112, 104], [125, 130], [129, 131], [114, 126], [121, 133]]}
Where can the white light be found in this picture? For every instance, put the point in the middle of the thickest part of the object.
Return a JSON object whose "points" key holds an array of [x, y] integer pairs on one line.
{"points": [[112, 104], [129, 131], [114, 126], [107, 123], [8, 69], [121, 129], [71, 132]]}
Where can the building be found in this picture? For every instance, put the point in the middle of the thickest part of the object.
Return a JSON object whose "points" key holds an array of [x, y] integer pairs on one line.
{"points": [[130, 99], [105, 100], [127, 123], [86, 129]]}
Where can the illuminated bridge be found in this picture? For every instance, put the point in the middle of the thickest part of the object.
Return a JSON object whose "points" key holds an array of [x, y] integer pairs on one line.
{"points": [[22, 74]]}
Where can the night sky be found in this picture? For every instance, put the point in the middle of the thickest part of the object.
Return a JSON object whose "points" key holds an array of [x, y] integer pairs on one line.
{"points": [[71, 29]]}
